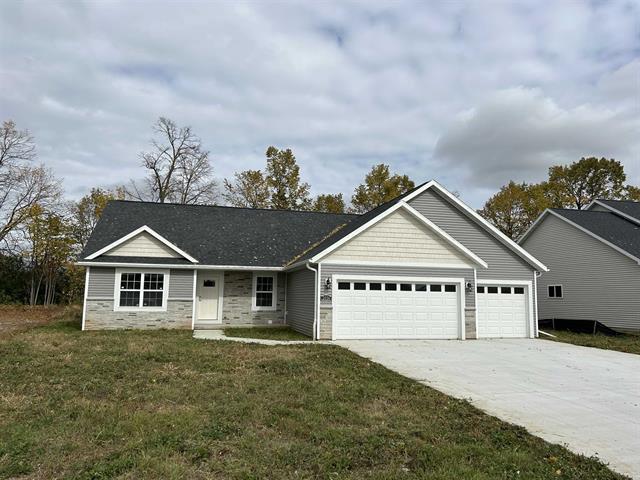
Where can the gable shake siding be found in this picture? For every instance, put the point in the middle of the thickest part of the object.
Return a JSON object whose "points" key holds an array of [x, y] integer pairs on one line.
{"points": [[598, 283], [301, 301], [400, 237], [503, 263]]}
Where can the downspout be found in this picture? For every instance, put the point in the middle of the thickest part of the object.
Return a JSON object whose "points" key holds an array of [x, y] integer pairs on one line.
{"points": [[315, 298]]}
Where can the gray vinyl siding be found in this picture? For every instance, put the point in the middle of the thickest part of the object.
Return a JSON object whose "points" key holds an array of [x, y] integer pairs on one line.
{"points": [[301, 301], [101, 283], [598, 283], [327, 270], [503, 263], [181, 284]]}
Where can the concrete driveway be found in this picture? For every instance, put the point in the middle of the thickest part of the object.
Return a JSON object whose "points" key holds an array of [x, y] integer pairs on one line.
{"points": [[585, 398]]}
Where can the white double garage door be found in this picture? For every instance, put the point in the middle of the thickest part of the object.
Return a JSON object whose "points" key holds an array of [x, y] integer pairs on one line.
{"points": [[370, 308]]}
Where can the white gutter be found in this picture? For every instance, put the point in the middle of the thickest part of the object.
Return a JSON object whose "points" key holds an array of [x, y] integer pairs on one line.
{"points": [[316, 302], [179, 266]]}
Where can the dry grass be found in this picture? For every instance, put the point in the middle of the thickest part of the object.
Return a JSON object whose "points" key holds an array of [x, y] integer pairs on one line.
{"points": [[136, 405], [15, 318]]}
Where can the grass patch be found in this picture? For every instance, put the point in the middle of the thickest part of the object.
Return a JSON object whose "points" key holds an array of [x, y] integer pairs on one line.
{"points": [[270, 333], [132, 404], [620, 343]]}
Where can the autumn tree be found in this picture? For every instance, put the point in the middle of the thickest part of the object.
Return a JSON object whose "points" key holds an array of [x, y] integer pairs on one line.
{"points": [[632, 193], [178, 168], [588, 179], [288, 192], [329, 203], [49, 250], [86, 212], [379, 187], [247, 189], [22, 184], [516, 206]]}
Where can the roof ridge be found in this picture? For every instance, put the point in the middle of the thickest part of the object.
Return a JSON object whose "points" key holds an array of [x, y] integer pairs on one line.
{"points": [[231, 207]]}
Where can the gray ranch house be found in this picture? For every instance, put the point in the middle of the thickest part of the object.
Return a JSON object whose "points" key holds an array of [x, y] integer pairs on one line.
{"points": [[593, 257], [422, 266]]}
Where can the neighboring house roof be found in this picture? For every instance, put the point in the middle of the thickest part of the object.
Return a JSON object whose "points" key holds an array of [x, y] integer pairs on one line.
{"points": [[627, 208], [608, 227], [215, 235]]}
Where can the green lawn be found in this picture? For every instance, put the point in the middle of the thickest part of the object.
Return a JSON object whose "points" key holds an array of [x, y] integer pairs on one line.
{"points": [[621, 343], [135, 405], [271, 333]]}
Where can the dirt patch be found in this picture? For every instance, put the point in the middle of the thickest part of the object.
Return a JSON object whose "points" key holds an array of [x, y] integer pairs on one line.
{"points": [[15, 318]]}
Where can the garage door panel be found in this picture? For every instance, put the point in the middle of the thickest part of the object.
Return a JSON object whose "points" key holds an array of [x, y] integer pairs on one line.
{"points": [[406, 312], [502, 313]]}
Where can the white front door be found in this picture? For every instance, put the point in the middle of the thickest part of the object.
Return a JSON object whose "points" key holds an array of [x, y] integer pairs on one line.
{"points": [[208, 293], [502, 311], [373, 308]]}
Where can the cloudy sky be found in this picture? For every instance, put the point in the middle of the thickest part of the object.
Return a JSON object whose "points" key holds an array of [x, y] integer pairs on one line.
{"points": [[470, 93]]}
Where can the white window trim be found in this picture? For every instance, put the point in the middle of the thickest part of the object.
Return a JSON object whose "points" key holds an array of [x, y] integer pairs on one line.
{"points": [[143, 271], [554, 291], [274, 305]]}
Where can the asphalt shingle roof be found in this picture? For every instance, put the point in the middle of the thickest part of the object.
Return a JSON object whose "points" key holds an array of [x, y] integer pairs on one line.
{"points": [[627, 207], [217, 235], [613, 228]]}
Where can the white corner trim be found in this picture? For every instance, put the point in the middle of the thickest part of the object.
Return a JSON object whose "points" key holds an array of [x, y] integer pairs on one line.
{"points": [[444, 235], [86, 294], [593, 235], [138, 231], [492, 229], [194, 300], [274, 293]]}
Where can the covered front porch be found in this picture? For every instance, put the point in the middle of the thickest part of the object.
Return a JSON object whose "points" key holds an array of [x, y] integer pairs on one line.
{"points": [[238, 298]]}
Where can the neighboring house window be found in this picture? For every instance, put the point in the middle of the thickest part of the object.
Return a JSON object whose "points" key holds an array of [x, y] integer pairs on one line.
{"points": [[555, 291], [140, 290], [264, 291]]}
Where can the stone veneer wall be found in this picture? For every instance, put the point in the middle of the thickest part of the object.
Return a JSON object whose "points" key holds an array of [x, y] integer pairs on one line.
{"points": [[236, 305], [470, 323], [100, 316]]}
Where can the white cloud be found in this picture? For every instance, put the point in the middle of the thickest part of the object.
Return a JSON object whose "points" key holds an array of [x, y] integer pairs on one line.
{"points": [[345, 84]]}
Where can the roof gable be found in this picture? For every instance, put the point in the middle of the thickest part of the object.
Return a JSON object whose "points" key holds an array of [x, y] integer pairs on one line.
{"points": [[625, 208], [402, 236], [609, 228]]}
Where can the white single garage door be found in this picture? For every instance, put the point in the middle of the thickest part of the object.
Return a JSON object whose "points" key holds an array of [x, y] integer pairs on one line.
{"points": [[502, 311], [382, 309]]}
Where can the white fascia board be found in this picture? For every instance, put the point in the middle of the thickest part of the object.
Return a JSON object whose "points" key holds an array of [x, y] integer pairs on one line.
{"points": [[492, 229], [178, 266], [591, 234], [355, 233], [444, 235], [143, 229], [613, 210]]}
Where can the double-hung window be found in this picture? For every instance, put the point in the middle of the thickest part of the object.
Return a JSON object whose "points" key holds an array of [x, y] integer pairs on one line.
{"points": [[141, 290], [264, 291]]}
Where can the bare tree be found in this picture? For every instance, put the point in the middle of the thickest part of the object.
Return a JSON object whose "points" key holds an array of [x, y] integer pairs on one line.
{"points": [[178, 167], [22, 185]]}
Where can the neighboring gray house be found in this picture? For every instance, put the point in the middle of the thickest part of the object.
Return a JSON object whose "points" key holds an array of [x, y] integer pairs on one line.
{"points": [[593, 257], [423, 265]]}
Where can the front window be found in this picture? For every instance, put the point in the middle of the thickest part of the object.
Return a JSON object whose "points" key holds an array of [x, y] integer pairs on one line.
{"points": [[264, 290], [141, 290]]}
